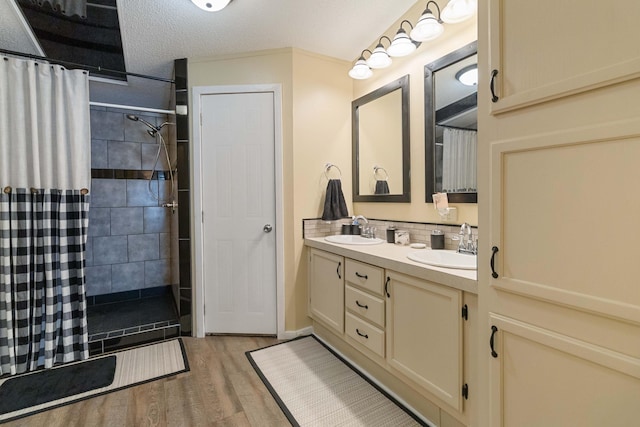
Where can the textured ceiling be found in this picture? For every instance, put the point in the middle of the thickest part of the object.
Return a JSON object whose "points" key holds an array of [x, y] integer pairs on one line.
{"points": [[155, 32]]}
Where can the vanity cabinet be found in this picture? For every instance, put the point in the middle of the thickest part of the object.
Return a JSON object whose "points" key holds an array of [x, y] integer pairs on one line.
{"points": [[414, 330], [326, 289], [559, 299], [424, 335]]}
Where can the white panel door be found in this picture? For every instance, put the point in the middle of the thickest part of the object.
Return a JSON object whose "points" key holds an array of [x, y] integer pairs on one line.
{"points": [[238, 203]]}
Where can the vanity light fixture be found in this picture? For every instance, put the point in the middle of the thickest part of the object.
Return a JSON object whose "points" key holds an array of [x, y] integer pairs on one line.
{"points": [[361, 70], [402, 45], [428, 27], [380, 58], [211, 5], [468, 75], [459, 10]]}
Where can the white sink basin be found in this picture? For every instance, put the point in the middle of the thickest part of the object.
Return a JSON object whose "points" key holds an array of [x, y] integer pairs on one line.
{"points": [[447, 259], [347, 239]]}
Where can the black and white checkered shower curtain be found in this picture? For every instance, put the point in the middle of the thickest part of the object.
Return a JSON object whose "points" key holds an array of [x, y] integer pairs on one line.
{"points": [[43, 234]]}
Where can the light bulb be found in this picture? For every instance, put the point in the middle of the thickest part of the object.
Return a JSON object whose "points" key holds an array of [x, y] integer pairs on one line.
{"points": [[211, 5]]}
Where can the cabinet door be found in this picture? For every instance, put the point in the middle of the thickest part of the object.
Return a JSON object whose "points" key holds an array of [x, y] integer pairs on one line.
{"points": [[557, 173], [541, 378], [424, 335], [326, 289], [547, 49]]}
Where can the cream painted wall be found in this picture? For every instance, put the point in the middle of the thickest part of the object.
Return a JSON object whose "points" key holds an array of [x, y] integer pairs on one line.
{"points": [[316, 97], [321, 134], [316, 112], [454, 37]]}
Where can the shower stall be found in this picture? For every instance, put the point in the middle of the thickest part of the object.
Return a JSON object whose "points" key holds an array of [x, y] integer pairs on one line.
{"points": [[132, 247]]}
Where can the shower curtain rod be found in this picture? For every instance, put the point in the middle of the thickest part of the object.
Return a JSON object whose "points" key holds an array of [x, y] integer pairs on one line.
{"points": [[456, 127], [91, 67]]}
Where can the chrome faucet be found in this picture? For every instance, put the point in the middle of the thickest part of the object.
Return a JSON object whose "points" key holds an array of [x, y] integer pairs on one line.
{"points": [[369, 232], [356, 218], [466, 245]]}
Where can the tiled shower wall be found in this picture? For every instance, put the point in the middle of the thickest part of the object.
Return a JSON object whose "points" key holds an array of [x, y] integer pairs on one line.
{"points": [[131, 236]]}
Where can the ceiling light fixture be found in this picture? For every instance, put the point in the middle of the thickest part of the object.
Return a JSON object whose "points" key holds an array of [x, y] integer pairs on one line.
{"points": [[402, 45], [459, 10], [211, 5], [361, 70], [428, 27], [468, 75], [379, 58]]}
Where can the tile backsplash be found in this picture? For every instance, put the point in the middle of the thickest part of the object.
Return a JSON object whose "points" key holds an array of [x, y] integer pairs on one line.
{"points": [[419, 232]]}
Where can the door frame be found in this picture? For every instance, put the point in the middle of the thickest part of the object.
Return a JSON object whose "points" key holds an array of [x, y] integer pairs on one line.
{"points": [[196, 167]]}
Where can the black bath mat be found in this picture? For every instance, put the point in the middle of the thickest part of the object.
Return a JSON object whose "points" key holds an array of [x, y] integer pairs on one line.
{"points": [[53, 384]]}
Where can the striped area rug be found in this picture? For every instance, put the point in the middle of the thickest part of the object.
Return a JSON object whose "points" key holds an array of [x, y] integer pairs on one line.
{"points": [[134, 366], [315, 387]]}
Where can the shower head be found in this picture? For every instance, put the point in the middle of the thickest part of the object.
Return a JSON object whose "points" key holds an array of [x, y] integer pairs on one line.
{"points": [[152, 128]]}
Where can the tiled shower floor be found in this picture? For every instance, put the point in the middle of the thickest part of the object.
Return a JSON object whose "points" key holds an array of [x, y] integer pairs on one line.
{"points": [[124, 324]]}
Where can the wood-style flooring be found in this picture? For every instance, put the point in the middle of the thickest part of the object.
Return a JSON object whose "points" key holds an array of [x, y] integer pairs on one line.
{"points": [[222, 389]]}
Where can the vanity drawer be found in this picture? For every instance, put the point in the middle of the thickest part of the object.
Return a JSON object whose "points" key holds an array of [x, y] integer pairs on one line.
{"points": [[364, 276], [365, 305], [365, 333]]}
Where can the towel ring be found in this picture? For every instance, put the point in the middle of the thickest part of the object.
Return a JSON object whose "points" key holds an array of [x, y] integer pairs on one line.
{"points": [[376, 169], [328, 166]]}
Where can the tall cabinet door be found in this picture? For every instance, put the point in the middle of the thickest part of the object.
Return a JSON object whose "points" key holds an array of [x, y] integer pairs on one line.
{"points": [[559, 144]]}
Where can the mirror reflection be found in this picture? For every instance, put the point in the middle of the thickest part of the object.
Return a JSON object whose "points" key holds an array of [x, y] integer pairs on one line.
{"points": [[381, 144], [451, 125]]}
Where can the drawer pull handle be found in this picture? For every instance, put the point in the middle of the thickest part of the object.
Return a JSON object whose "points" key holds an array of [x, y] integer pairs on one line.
{"points": [[494, 329], [338, 270], [386, 287], [362, 335], [362, 276], [492, 88], [366, 307], [494, 251]]}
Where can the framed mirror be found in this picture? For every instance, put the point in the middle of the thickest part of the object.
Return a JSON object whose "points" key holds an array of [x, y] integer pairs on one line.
{"points": [[451, 125], [380, 144]]}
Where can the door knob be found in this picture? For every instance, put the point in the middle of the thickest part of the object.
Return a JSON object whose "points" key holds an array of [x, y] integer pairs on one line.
{"points": [[267, 228]]}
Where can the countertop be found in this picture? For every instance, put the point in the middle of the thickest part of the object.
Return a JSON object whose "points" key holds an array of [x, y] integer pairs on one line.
{"points": [[394, 257]]}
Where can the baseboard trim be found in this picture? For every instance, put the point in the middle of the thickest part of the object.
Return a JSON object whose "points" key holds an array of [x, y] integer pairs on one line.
{"points": [[289, 335]]}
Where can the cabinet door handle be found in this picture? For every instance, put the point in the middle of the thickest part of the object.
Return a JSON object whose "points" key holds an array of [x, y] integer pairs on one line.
{"points": [[494, 98], [362, 335], [494, 329], [362, 276], [338, 270], [366, 307], [386, 287], [494, 251]]}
